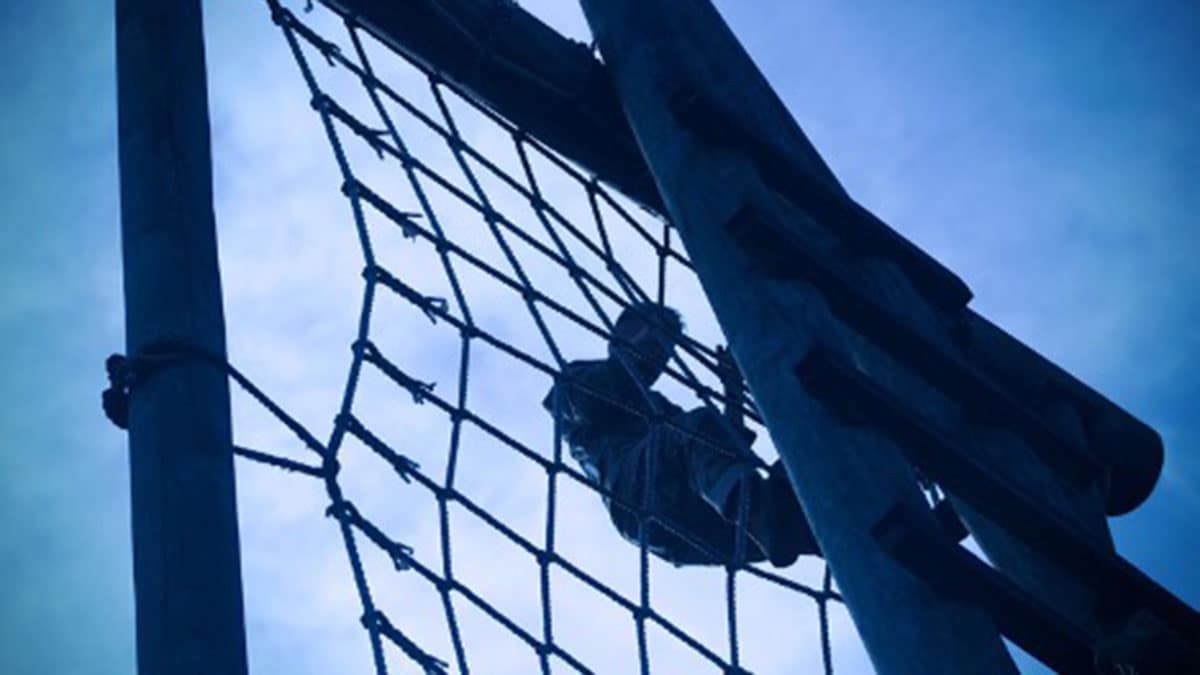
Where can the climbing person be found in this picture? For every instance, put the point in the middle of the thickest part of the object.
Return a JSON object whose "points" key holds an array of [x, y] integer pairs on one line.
{"points": [[685, 470]]}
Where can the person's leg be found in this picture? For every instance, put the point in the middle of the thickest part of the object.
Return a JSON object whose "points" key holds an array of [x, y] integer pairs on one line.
{"points": [[719, 470], [622, 479], [681, 528]]}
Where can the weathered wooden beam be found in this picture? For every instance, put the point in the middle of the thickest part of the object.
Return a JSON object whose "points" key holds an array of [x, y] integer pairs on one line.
{"points": [[187, 575]]}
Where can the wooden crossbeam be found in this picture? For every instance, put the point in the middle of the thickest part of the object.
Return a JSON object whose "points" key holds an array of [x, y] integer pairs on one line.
{"points": [[953, 571], [784, 254], [1124, 588], [845, 217]]}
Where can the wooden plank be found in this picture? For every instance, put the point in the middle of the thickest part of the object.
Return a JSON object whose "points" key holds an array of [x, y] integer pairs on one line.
{"points": [[1122, 587]]}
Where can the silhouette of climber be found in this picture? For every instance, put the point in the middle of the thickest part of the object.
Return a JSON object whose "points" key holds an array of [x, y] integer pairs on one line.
{"points": [[614, 423]]}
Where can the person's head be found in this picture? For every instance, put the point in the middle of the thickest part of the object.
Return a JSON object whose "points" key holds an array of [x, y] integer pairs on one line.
{"points": [[644, 338]]}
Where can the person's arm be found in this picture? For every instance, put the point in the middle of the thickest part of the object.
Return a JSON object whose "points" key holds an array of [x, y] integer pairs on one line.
{"points": [[580, 419]]}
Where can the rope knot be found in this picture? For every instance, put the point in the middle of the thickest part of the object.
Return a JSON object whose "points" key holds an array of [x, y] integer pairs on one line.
{"points": [[115, 399], [401, 555], [343, 510], [125, 372], [330, 466], [279, 15]]}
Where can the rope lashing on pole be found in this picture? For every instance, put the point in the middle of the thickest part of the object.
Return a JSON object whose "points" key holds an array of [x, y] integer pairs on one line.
{"points": [[126, 373]]}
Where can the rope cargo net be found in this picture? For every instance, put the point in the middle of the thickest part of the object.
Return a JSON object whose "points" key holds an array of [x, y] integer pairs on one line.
{"points": [[475, 543]]}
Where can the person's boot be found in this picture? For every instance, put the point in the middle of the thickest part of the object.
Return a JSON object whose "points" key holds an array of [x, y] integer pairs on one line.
{"points": [[776, 523], [780, 549], [787, 520]]}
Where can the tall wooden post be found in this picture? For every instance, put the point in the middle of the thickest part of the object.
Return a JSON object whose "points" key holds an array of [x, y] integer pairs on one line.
{"points": [[187, 574], [661, 53]]}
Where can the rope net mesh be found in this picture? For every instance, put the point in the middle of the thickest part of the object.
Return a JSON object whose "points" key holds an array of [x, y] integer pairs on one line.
{"points": [[488, 262]]}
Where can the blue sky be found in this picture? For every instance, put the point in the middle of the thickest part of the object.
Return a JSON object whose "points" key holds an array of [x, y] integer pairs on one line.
{"points": [[1047, 152]]}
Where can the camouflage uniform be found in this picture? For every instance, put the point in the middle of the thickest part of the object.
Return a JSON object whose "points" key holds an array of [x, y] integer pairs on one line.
{"points": [[606, 417]]}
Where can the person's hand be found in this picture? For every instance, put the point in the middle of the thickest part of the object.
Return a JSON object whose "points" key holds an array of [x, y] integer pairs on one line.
{"points": [[731, 383]]}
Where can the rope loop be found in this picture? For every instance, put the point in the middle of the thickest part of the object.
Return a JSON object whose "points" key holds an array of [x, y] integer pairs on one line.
{"points": [[124, 373]]}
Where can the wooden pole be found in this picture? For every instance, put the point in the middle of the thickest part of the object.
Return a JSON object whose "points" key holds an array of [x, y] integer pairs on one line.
{"points": [[187, 577], [846, 478]]}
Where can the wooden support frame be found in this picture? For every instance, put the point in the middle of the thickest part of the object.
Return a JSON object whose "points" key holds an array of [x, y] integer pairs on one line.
{"points": [[185, 529]]}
